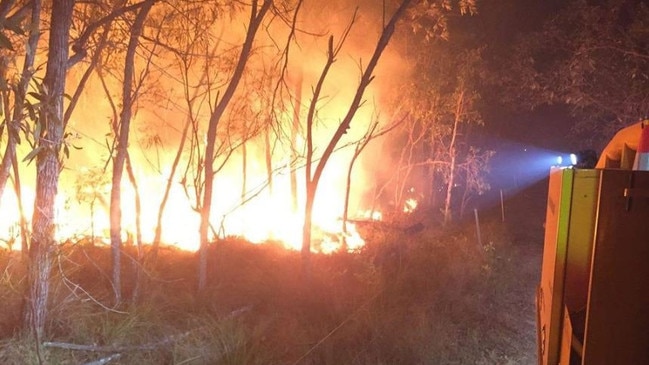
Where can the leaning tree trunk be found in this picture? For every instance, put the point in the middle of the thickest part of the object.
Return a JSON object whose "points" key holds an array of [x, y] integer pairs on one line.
{"points": [[257, 15], [165, 196], [13, 124], [47, 172], [312, 180], [24, 239], [452, 152], [360, 146], [295, 127]]}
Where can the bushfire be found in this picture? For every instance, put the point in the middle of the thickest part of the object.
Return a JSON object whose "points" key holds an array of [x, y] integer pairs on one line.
{"points": [[261, 151]]}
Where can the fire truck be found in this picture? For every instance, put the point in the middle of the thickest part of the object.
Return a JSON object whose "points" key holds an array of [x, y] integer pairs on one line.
{"points": [[593, 298]]}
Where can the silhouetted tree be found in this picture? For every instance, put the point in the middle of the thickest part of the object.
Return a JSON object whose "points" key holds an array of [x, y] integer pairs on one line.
{"points": [[313, 170], [592, 57], [258, 13]]}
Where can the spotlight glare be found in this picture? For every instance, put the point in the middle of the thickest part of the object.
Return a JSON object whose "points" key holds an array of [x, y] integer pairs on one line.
{"points": [[573, 159]]}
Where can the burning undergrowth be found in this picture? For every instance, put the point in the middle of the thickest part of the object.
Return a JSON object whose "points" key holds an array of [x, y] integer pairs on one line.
{"points": [[429, 296]]}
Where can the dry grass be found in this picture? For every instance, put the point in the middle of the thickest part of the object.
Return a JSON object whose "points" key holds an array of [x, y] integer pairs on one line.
{"points": [[433, 297]]}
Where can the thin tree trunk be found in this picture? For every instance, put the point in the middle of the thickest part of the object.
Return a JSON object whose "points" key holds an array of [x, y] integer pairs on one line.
{"points": [[269, 161], [13, 125], [47, 173], [190, 122], [138, 230], [348, 188], [452, 153], [294, 133], [24, 229], [244, 171], [306, 232], [165, 197], [257, 15], [366, 79], [118, 162], [360, 146]]}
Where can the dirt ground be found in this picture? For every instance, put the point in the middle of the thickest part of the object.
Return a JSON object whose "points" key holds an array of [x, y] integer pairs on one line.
{"points": [[524, 218]]}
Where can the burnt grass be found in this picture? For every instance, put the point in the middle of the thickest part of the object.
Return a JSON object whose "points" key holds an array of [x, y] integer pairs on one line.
{"points": [[429, 295]]}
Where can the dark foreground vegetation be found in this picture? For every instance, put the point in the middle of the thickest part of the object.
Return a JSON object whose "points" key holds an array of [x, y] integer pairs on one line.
{"points": [[431, 297]]}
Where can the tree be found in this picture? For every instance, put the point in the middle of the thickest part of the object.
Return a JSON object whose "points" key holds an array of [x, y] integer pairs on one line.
{"points": [[129, 96], [48, 147], [185, 41], [15, 120], [441, 106], [257, 14], [314, 172], [591, 57], [373, 132]]}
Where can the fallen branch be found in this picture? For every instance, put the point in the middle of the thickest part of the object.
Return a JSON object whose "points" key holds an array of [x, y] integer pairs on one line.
{"points": [[145, 347], [115, 349], [104, 360]]}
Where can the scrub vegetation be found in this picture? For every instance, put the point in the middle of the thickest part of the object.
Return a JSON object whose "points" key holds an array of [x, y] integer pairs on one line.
{"points": [[435, 296]]}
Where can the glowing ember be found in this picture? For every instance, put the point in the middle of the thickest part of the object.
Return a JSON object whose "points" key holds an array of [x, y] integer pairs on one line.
{"points": [[410, 205]]}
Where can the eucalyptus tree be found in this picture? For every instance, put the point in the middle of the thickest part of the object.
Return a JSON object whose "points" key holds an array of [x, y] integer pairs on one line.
{"points": [[48, 146], [16, 87], [51, 143], [442, 105], [130, 92], [315, 165], [427, 16], [258, 12]]}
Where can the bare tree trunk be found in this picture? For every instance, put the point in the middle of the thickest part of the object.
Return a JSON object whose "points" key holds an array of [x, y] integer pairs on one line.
{"points": [[257, 15], [244, 171], [10, 150], [348, 188], [366, 78], [13, 125], [118, 162], [138, 230], [47, 173], [452, 154], [294, 133], [269, 161], [360, 146], [165, 197], [24, 229], [306, 232]]}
